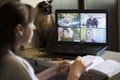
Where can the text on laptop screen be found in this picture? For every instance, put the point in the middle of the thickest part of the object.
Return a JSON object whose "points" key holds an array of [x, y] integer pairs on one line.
{"points": [[88, 27]]}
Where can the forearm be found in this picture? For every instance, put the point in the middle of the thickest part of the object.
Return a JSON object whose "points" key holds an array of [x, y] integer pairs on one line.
{"points": [[47, 74], [73, 76], [57, 69], [76, 69]]}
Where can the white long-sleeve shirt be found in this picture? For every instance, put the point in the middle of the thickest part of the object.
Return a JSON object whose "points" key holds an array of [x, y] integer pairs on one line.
{"points": [[14, 67]]}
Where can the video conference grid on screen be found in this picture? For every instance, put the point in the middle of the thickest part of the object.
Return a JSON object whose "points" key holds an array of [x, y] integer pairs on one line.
{"points": [[82, 27]]}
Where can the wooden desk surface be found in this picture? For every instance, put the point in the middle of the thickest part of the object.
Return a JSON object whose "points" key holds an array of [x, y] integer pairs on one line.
{"points": [[35, 54]]}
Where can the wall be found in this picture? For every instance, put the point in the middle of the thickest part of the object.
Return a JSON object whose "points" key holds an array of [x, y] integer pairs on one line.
{"points": [[31, 2], [57, 4], [119, 22], [65, 4]]}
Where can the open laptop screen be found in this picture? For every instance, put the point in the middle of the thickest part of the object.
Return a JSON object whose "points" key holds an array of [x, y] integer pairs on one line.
{"points": [[86, 26]]}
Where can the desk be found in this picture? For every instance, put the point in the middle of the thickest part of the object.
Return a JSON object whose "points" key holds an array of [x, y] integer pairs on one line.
{"points": [[35, 54]]}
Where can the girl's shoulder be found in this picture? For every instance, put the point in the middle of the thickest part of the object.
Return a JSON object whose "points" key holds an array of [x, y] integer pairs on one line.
{"points": [[11, 69]]}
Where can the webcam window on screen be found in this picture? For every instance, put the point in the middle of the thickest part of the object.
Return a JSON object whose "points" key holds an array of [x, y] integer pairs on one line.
{"points": [[82, 27]]}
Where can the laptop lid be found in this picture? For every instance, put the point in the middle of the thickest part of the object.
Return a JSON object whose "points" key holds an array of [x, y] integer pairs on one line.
{"points": [[81, 26]]}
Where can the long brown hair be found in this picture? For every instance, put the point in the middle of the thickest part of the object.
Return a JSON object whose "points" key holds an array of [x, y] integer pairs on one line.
{"points": [[2, 2], [12, 14]]}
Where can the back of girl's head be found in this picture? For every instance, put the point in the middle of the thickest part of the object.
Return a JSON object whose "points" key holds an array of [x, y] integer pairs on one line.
{"points": [[12, 14], [2, 2], [15, 13]]}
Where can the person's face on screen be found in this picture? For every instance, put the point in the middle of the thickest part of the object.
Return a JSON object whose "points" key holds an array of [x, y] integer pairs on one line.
{"points": [[91, 17], [89, 34], [66, 33], [68, 18]]}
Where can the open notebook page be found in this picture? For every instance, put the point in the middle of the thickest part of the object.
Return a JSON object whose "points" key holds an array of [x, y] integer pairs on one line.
{"points": [[89, 58], [109, 67]]}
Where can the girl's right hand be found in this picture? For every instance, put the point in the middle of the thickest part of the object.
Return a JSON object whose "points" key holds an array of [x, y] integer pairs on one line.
{"points": [[77, 68]]}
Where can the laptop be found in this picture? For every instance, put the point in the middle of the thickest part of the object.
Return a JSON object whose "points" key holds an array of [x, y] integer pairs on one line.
{"points": [[80, 32]]}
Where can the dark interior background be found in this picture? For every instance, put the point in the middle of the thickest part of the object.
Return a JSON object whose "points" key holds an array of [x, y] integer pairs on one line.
{"points": [[113, 15]]}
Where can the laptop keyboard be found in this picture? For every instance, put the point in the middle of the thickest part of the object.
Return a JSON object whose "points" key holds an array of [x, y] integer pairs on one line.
{"points": [[76, 49], [79, 47]]}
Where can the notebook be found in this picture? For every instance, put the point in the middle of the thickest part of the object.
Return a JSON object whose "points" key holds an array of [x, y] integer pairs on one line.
{"points": [[80, 32]]}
